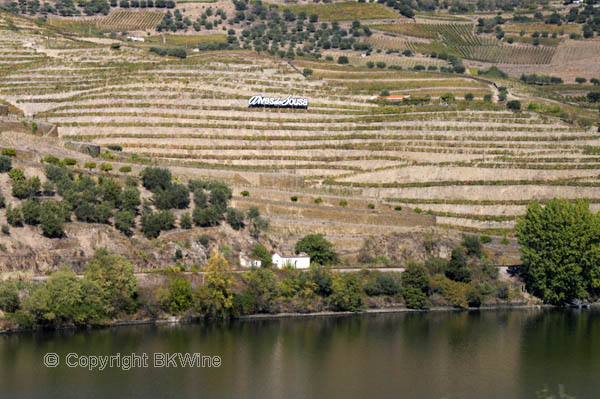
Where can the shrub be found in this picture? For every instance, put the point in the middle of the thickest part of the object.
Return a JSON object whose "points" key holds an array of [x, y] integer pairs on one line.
{"points": [[343, 203], [114, 147], [485, 239], [342, 59], [125, 169], [307, 72], [31, 211], [347, 293], [245, 193], [115, 46], [380, 64], [185, 221], [9, 296], [382, 284], [294, 198], [175, 196], [70, 161], [26, 188], [397, 208], [14, 216], [371, 206], [5, 229], [473, 297], [473, 245], [487, 97], [580, 80], [52, 219], [469, 96], [318, 200], [505, 241], [90, 165], [514, 105], [178, 297], [9, 152], [5, 163], [106, 167]]}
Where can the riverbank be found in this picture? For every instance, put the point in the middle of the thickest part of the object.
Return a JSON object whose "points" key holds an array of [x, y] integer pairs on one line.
{"points": [[283, 315]]}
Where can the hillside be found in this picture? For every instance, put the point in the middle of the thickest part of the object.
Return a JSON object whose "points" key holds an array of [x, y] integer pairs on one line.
{"points": [[454, 159]]}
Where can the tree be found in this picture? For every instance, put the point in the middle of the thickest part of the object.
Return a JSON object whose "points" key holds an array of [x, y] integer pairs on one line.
{"points": [[130, 199], [200, 198], [235, 218], [206, 217], [220, 194], [153, 178], [178, 297], [469, 97], [114, 275], [593, 96], [185, 221], [260, 252], [514, 105], [215, 296], [347, 293], [318, 248], [52, 219], [65, 298], [90, 165], [560, 250], [415, 286], [258, 224], [106, 167], [457, 266], [31, 211], [580, 80], [125, 221], [342, 59]]}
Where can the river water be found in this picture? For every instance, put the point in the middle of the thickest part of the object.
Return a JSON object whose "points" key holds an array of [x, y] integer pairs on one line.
{"points": [[479, 354]]}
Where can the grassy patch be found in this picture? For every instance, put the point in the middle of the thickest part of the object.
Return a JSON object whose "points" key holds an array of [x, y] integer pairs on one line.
{"points": [[530, 28], [346, 11]]}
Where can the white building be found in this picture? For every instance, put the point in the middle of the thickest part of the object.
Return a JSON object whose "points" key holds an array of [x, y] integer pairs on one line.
{"points": [[297, 262], [136, 38], [244, 262]]}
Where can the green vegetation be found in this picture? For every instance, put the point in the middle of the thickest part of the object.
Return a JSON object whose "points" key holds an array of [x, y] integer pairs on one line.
{"points": [[318, 248], [344, 11], [559, 245]]}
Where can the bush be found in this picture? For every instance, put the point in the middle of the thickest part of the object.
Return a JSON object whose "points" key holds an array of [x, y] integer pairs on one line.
{"points": [[294, 198], [371, 206], [5, 163], [125, 221], [5, 229], [318, 200], [52, 219], [382, 284], [307, 72], [175, 196], [106, 167], [125, 169], [347, 293], [31, 211], [245, 193], [185, 221], [343, 203], [342, 59], [14, 216], [485, 239], [70, 161], [469, 96], [514, 105], [115, 46], [114, 147], [473, 245], [178, 297], [473, 297], [9, 296], [90, 165], [8, 152], [505, 241]]}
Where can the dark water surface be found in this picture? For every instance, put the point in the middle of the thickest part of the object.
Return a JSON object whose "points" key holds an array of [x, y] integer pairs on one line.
{"points": [[487, 354]]}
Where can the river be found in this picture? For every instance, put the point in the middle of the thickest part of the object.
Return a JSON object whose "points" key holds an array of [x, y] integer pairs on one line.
{"points": [[477, 354]]}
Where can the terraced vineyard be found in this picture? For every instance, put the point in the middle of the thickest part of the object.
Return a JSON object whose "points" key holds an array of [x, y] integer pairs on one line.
{"points": [[474, 165], [119, 21], [460, 38]]}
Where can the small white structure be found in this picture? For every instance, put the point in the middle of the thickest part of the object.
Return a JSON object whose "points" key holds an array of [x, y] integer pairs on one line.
{"points": [[136, 38], [244, 262], [297, 262]]}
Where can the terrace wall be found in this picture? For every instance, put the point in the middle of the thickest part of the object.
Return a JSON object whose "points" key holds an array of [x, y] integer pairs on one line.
{"points": [[334, 214]]}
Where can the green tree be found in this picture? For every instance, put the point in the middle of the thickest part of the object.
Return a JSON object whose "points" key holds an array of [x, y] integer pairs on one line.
{"points": [[560, 250], [257, 223], [114, 275], [473, 245], [206, 217], [52, 219], [457, 269], [215, 297], [235, 218], [65, 298], [347, 293], [31, 211], [153, 178], [130, 199], [259, 294], [185, 221], [260, 252], [178, 297], [415, 286], [14, 216], [318, 248], [5, 163], [125, 221]]}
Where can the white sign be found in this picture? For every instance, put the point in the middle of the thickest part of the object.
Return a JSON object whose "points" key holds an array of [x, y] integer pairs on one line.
{"points": [[288, 102]]}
